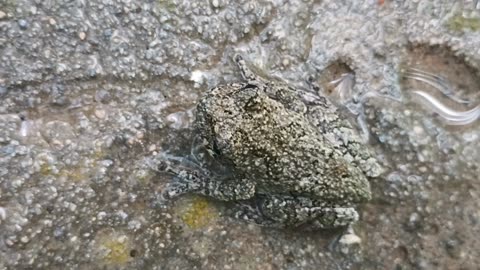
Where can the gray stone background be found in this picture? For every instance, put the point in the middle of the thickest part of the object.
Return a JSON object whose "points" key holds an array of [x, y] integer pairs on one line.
{"points": [[92, 91]]}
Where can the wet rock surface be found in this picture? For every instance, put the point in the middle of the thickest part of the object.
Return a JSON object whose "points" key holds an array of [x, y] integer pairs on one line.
{"points": [[93, 91]]}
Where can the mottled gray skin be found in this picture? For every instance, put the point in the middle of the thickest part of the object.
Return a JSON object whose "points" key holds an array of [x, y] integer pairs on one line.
{"points": [[293, 163]]}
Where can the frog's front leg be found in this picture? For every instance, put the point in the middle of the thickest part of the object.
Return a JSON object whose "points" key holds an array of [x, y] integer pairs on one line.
{"points": [[247, 74], [285, 211], [224, 190]]}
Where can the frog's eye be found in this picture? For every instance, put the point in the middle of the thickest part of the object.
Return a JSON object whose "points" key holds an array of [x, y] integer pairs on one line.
{"points": [[215, 150], [249, 86]]}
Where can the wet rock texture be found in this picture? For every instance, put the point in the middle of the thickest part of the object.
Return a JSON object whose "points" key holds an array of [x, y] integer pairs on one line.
{"points": [[92, 91]]}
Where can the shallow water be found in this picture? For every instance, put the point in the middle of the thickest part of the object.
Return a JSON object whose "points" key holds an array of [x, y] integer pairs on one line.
{"points": [[93, 91]]}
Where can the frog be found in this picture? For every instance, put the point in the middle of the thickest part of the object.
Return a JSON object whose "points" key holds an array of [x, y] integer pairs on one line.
{"points": [[294, 161]]}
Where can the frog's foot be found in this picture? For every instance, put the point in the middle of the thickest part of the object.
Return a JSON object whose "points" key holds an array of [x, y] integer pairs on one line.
{"points": [[282, 211], [184, 182], [302, 212], [313, 86], [332, 217]]}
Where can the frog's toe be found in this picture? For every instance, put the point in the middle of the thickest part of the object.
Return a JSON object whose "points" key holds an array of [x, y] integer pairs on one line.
{"points": [[345, 216], [247, 74], [174, 190], [237, 58], [327, 218]]}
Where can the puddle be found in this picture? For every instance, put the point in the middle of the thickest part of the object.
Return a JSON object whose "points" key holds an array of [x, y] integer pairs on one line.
{"points": [[331, 74], [439, 75], [430, 164]]}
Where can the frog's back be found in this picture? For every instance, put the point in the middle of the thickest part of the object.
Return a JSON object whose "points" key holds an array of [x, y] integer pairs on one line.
{"points": [[277, 147], [289, 155]]}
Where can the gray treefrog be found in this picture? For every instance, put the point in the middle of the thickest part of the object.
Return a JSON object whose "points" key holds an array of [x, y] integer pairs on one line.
{"points": [[294, 162]]}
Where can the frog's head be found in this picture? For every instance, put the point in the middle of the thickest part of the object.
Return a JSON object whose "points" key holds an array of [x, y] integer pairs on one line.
{"points": [[219, 112]]}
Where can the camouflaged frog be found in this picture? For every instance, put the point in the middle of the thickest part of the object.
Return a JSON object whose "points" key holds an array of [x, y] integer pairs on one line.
{"points": [[294, 162]]}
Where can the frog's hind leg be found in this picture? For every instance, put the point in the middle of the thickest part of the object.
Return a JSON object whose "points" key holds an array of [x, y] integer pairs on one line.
{"points": [[285, 211], [250, 213], [223, 190]]}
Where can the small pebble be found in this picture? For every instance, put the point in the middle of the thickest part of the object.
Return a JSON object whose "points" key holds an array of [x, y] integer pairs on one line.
{"points": [[82, 35], [350, 239], [3, 90], [100, 114], [107, 33], [60, 100], [52, 21], [101, 215], [9, 242], [102, 96], [24, 239], [3, 15], [23, 24], [3, 213], [152, 148]]}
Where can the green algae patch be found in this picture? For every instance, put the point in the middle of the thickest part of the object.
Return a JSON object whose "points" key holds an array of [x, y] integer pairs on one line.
{"points": [[198, 212], [167, 5], [459, 23], [9, 5]]}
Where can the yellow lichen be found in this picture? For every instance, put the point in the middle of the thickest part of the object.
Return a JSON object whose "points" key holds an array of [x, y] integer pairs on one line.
{"points": [[98, 154], [199, 213], [117, 251], [74, 174], [45, 169]]}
